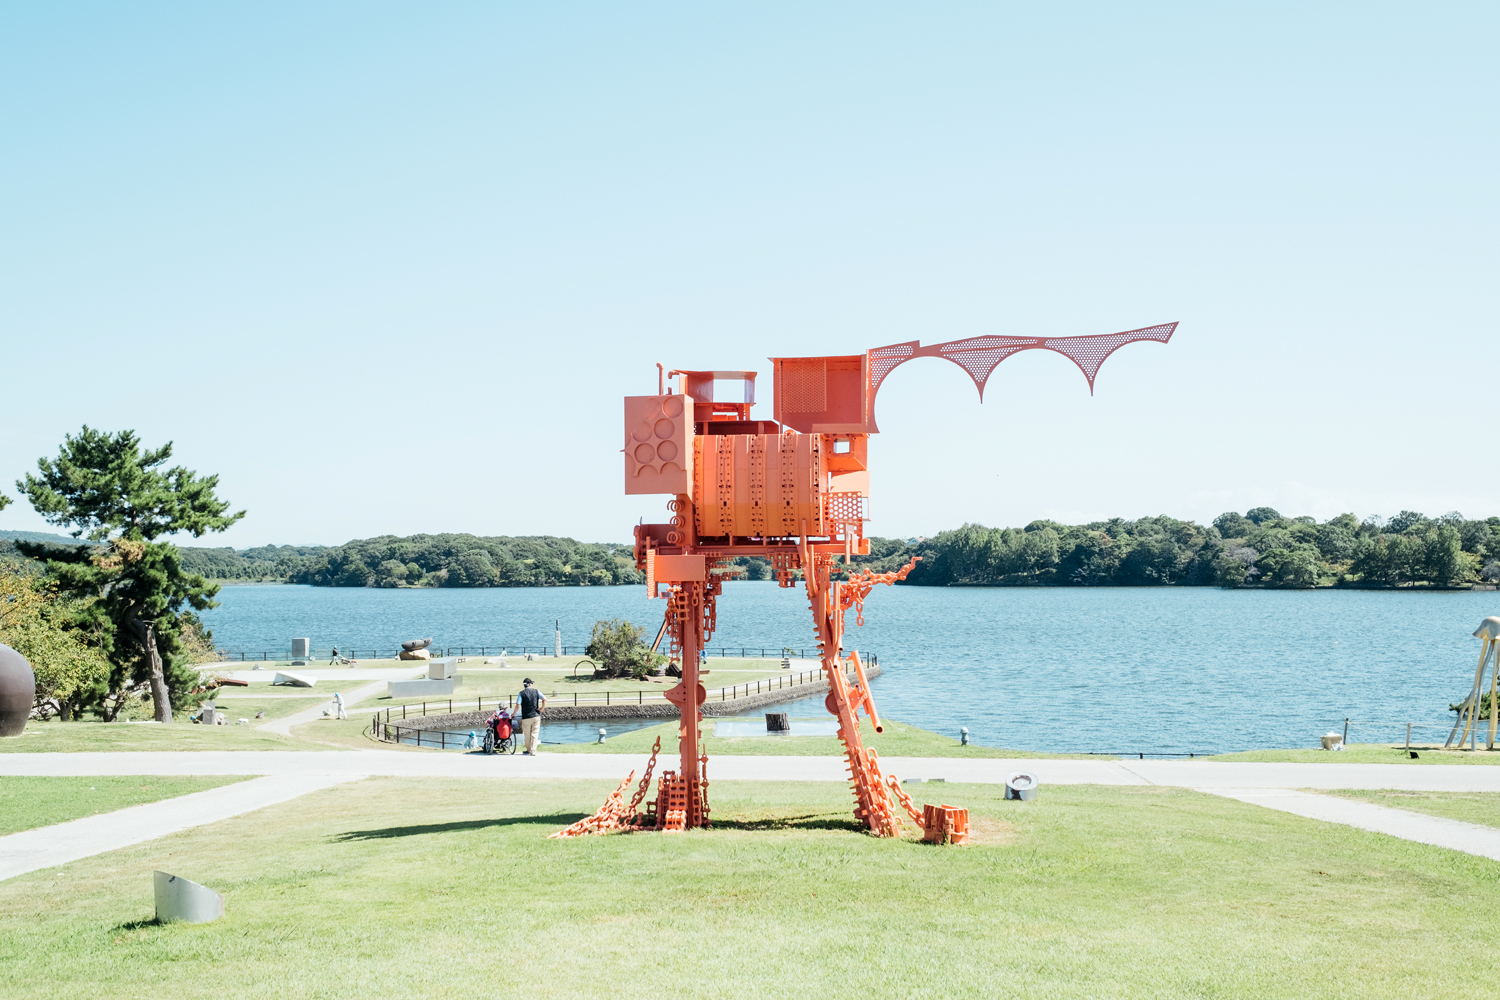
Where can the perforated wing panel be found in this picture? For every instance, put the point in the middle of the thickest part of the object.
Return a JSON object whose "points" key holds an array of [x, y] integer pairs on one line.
{"points": [[979, 355], [1088, 353]]}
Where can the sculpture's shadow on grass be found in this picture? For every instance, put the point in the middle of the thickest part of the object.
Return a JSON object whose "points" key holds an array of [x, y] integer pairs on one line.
{"points": [[556, 819], [808, 821]]}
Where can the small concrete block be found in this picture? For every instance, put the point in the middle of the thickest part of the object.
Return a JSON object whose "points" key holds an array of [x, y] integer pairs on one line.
{"points": [[426, 688]]}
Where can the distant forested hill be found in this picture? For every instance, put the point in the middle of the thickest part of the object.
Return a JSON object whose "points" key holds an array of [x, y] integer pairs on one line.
{"points": [[1258, 548], [8, 540], [470, 561], [40, 536], [266, 563]]}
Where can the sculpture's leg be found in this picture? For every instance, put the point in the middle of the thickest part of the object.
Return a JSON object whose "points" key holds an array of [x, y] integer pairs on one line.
{"points": [[692, 717], [872, 806], [1470, 710], [1494, 681], [687, 627]]}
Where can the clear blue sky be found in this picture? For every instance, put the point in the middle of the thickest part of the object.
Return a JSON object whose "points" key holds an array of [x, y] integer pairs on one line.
{"points": [[390, 268]]}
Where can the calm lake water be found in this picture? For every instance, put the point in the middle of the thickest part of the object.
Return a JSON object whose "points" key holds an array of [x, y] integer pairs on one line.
{"points": [[1149, 670]]}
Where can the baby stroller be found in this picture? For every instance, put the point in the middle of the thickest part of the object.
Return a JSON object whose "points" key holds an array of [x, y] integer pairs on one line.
{"points": [[500, 733]]}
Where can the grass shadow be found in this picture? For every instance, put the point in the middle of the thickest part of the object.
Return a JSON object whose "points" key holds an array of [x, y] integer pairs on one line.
{"points": [[809, 821], [135, 925], [353, 836]]}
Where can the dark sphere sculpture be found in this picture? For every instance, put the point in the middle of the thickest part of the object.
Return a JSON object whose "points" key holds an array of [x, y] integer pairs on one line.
{"points": [[17, 691]]}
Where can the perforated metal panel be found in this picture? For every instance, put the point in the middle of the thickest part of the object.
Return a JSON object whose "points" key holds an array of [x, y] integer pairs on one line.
{"points": [[980, 355]]}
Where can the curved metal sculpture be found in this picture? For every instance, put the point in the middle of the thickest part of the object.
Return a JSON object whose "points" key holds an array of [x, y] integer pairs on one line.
{"points": [[17, 691], [179, 899], [1469, 717], [790, 490]]}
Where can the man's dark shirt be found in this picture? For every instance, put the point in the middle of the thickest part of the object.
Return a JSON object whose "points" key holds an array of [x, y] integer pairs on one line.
{"points": [[531, 703]]}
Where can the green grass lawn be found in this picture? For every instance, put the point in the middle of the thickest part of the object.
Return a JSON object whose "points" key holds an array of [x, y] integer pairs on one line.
{"points": [[1471, 807], [351, 733], [1364, 753], [244, 705], [27, 803], [75, 737], [898, 740], [448, 888]]}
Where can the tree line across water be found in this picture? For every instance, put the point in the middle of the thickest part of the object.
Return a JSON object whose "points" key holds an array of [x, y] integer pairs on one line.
{"points": [[1260, 548]]}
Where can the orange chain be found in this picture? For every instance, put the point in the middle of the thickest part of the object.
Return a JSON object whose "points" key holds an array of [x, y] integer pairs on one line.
{"points": [[640, 793], [905, 800]]}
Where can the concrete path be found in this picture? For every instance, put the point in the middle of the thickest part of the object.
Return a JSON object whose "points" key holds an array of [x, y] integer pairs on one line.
{"points": [[292, 773], [1439, 831], [457, 764], [284, 725], [81, 838], [326, 675]]}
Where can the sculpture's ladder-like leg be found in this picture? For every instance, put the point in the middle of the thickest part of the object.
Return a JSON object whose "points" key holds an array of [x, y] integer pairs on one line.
{"points": [[873, 806]]}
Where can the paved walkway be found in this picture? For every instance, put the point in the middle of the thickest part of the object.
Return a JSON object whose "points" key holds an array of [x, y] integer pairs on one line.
{"points": [[336, 675], [284, 725], [292, 773], [1471, 838], [81, 838], [1202, 775]]}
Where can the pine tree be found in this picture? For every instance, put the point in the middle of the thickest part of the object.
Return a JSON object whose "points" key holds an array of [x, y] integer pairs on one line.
{"points": [[132, 587]]}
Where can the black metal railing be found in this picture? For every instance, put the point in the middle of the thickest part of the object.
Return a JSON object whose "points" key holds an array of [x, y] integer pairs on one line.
{"points": [[724, 652], [729, 693]]}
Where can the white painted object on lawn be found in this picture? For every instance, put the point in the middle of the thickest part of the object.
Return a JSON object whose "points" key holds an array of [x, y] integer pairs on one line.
{"points": [[179, 899], [442, 669], [301, 649], [557, 641], [1021, 785], [287, 678], [1332, 741]]}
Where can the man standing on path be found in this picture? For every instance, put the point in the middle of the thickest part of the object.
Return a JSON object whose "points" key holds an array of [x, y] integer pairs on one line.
{"points": [[532, 703]]}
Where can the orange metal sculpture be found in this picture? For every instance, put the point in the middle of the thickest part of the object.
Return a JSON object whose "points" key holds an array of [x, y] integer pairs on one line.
{"points": [[790, 490]]}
